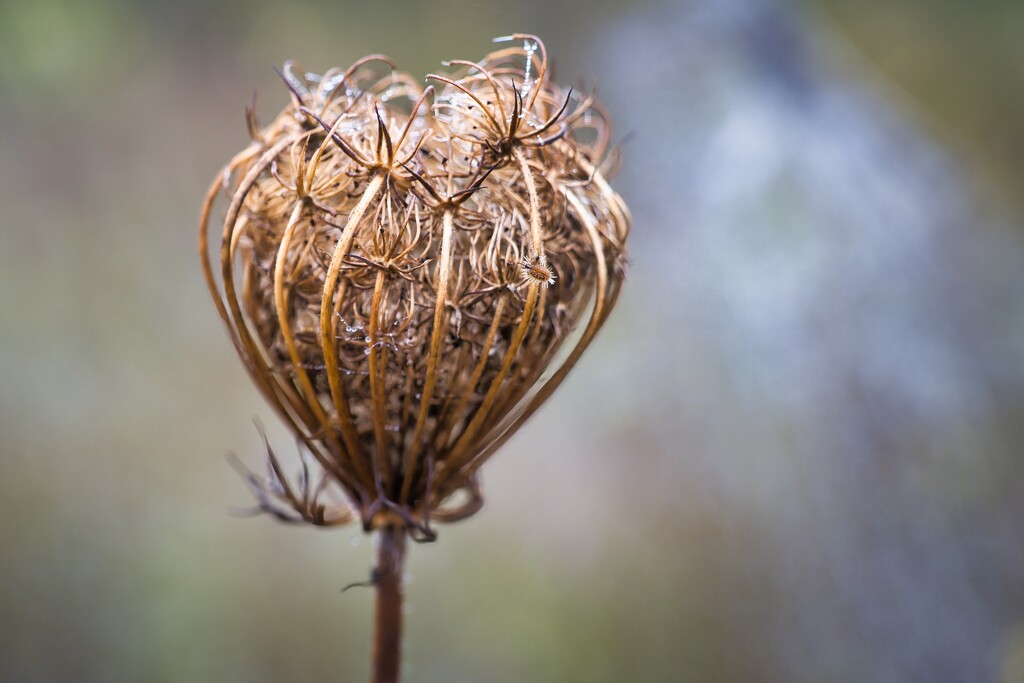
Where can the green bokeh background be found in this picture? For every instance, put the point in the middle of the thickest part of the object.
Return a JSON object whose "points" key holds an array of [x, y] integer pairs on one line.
{"points": [[600, 556]]}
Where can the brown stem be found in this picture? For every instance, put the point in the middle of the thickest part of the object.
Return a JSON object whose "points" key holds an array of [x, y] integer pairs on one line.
{"points": [[387, 631]]}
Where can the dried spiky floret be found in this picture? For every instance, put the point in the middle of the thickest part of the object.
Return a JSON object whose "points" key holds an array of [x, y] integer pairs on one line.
{"points": [[400, 269]]}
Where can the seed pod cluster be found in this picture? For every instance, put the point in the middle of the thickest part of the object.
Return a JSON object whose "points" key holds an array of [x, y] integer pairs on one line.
{"points": [[408, 271]]}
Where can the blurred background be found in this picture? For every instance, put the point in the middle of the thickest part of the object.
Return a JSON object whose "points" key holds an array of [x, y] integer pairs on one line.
{"points": [[796, 453]]}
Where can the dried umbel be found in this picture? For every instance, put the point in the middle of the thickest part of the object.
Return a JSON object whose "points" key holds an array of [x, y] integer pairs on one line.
{"points": [[400, 267], [409, 271]]}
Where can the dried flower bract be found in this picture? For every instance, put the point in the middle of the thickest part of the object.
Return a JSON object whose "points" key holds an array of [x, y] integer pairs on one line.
{"points": [[409, 271]]}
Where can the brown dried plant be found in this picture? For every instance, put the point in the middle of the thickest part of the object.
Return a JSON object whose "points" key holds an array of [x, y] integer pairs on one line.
{"points": [[408, 273]]}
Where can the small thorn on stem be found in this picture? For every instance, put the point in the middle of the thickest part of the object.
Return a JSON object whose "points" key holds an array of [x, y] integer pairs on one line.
{"points": [[369, 583]]}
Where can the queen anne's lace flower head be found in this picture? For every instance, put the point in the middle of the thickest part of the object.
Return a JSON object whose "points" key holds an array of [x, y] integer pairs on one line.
{"points": [[408, 272]]}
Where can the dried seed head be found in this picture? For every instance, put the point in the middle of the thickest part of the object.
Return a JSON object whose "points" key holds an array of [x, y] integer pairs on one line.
{"points": [[387, 272]]}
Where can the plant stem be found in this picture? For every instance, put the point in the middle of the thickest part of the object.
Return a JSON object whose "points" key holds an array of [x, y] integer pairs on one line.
{"points": [[387, 631]]}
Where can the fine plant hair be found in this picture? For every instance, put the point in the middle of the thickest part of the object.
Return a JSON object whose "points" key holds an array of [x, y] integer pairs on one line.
{"points": [[408, 271]]}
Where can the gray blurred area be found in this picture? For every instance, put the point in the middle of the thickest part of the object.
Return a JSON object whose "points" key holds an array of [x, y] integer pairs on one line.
{"points": [[796, 453]]}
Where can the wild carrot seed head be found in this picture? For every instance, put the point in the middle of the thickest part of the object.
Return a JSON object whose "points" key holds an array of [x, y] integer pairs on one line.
{"points": [[401, 268]]}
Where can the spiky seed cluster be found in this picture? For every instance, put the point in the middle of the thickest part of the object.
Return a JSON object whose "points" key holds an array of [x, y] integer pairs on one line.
{"points": [[400, 267]]}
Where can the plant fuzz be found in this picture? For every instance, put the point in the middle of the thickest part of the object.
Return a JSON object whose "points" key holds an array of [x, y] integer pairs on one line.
{"points": [[408, 273]]}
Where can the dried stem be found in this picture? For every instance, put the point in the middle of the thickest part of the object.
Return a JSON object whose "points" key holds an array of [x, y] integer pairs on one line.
{"points": [[387, 629]]}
